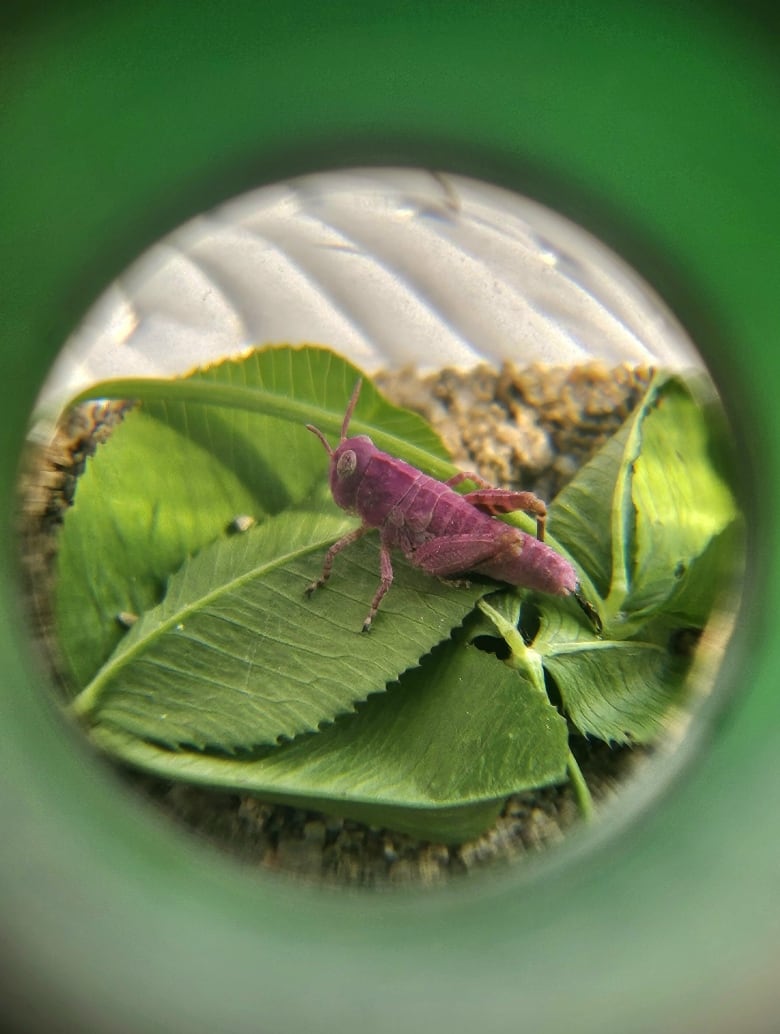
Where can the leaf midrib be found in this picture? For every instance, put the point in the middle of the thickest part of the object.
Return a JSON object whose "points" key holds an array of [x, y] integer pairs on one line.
{"points": [[584, 646]]}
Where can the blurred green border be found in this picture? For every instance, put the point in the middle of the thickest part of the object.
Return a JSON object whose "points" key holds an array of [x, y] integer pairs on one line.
{"points": [[654, 125]]}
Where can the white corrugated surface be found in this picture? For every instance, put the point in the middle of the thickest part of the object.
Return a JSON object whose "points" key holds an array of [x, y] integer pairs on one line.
{"points": [[387, 266]]}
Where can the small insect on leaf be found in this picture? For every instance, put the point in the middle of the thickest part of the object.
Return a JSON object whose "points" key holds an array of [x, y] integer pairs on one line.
{"points": [[437, 529]]}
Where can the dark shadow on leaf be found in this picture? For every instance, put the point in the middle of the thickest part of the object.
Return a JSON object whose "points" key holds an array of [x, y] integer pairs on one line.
{"points": [[492, 644]]}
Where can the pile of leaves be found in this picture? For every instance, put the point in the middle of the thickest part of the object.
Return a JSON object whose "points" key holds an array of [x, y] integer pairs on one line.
{"points": [[230, 677]]}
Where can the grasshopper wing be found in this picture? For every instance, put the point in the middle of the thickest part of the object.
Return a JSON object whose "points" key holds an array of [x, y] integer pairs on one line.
{"points": [[455, 554]]}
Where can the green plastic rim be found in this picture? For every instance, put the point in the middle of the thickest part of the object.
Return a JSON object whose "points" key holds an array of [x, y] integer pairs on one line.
{"points": [[653, 127]]}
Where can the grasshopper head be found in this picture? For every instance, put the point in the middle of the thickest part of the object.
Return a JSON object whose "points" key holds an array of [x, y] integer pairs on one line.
{"points": [[347, 466], [349, 459]]}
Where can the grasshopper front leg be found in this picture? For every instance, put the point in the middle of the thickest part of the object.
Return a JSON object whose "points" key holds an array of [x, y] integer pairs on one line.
{"points": [[385, 570], [335, 549]]}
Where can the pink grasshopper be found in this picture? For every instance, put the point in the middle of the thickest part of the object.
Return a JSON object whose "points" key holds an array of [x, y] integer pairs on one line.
{"points": [[436, 528]]}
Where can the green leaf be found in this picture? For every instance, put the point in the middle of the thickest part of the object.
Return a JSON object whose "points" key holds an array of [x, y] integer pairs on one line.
{"points": [[621, 691], [589, 516], [656, 526], [174, 474], [274, 392], [716, 573], [434, 756], [640, 513], [237, 656], [147, 499], [303, 385], [234, 659], [318, 382], [681, 501]]}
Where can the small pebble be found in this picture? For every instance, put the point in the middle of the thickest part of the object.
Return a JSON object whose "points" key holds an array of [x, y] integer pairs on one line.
{"points": [[243, 522]]}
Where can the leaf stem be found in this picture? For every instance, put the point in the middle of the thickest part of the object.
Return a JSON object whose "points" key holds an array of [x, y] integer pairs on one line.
{"points": [[257, 400], [580, 787], [522, 657], [526, 659], [269, 403]]}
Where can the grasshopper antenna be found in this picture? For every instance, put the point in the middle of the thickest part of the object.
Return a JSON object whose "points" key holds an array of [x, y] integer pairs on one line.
{"points": [[345, 422], [351, 408], [322, 438]]}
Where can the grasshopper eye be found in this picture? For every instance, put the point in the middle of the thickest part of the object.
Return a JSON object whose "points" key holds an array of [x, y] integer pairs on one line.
{"points": [[346, 464]]}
